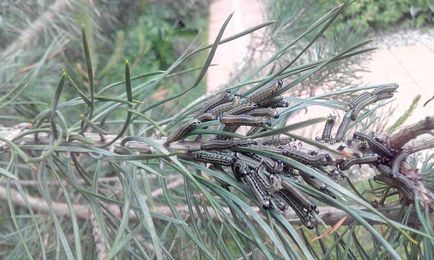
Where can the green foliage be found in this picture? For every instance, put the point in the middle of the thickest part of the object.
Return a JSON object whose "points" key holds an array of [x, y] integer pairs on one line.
{"points": [[379, 14]]}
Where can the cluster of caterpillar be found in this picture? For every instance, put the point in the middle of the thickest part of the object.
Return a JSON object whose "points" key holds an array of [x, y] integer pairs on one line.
{"points": [[274, 182]]}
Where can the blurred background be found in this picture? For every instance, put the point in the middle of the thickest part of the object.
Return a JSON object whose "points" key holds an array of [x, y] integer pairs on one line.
{"points": [[39, 38]]}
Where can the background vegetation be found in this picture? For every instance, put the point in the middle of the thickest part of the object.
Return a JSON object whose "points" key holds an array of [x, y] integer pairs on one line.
{"points": [[380, 14]]}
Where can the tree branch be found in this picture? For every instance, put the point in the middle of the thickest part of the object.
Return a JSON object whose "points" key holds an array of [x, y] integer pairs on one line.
{"points": [[403, 136], [329, 215]]}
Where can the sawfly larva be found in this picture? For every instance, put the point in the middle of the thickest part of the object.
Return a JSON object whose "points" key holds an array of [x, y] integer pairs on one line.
{"points": [[331, 120], [278, 141], [265, 92], [305, 158], [225, 159], [206, 117], [369, 159], [388, 88], [241, 109], [260, 194], [374, 145], [222, 98], [225, 144], [302, 214], [266, 112], [302, 198], [343, 127], [244, 120], [396, 164], [183, 131]]}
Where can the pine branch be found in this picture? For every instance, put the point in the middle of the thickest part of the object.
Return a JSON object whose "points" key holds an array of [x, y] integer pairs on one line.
{"points": [[329, 215]]}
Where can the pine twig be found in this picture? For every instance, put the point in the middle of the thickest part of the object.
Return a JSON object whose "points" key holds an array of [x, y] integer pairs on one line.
{"points": [[329, 215]]}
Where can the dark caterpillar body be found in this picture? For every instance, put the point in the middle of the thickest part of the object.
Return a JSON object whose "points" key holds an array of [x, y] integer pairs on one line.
{"points": [[326, 134], [271, 165], [225, 159], [278, 141], [399, 182], [314, 160], [222, 98], [358, 99], [396, 164], [374, 145], [241, 109], [240, 170], [369, 159], [183, 131], [265, 112], [363, 104], [206, 117], [388, 88], [265, 93], [260, 193], [343, 127], [243, 120], [254, 130], [221, 109], [302, 198], [304, 216], [225, 144]]}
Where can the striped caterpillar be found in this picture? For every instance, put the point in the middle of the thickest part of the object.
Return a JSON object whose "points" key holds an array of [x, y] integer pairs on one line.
{"points": [[374, 145], [314, 160], [343, 127], [278, 141], [244, 120], [183, 131], [225, 159], [396, 164], [331, 120], [225, 144], [370, 159], [388, 88], [302, 198], [222, 98], [265, 93], [296, 206], [241, 109], [258, 189], [265, 112]]}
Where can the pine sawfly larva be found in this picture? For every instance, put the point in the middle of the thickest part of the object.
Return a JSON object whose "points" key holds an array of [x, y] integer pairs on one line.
{"points": [[388, 88], [225, 159], [244, 120], [369, 159], [242, 109], [374, 145], [265, 112], [222, 98], [302, 198], [326, 134], [183, 131], [343, 127], [265, 92], [206, 117], [225, 144], [305, 158], [260, 194], [396, 164]]}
